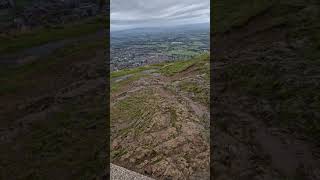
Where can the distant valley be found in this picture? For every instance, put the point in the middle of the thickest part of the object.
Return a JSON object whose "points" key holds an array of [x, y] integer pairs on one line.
{"points": [[141, 46]]}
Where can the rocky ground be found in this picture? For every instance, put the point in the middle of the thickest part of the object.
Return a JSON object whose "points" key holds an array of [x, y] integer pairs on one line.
{"points": [[266, 90], [160, 119]]}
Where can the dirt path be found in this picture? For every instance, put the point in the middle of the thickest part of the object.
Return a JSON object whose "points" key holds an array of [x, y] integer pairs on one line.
{"points": [[171, 127], [160, 82]]}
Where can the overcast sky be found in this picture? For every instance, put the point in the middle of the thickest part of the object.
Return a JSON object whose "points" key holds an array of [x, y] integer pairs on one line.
{"points": [[126, 14]]}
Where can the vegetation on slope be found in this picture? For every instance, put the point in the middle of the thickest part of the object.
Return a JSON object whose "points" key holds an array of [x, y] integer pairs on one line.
{"points": [[266, 88], [285, 76], [125, 76], [42, 35], [21, 78], [59, 132], [155, 120]]}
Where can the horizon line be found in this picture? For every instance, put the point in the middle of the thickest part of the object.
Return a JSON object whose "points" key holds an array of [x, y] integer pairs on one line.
{"points": [[149, 27]]}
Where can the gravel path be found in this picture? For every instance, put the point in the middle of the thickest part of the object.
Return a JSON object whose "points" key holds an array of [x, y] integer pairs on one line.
{"points": [[120, 173]]}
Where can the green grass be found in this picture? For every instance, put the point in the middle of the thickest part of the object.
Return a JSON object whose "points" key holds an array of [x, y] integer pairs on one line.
{"points": [[164, 67], [182, 53], [124, 72], [176, 67], [118, 153], [169, 69], [116, 86], [128, 109], [129, 105], [135, 75], [136, 117], [201, 93], [42, 35]]}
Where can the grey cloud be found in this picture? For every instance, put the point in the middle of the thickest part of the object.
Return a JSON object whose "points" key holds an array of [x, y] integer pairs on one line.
{"points": [[142, 13]]}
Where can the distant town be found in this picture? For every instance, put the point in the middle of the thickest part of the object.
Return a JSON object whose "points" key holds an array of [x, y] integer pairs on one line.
{"points": [[133, 48]]}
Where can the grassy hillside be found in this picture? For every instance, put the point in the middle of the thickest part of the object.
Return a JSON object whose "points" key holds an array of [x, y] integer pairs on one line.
{"points": [[160, 119], [166, 69], [285, 72], [266, 73], [17, 41], [53, 118]]}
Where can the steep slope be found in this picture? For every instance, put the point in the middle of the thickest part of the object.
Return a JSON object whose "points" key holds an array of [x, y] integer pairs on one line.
{"points": [[160, 119], [266, 89], [52, 114]]}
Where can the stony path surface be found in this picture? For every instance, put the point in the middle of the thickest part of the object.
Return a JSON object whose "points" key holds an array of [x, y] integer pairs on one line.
{"points": [[120, 173]]}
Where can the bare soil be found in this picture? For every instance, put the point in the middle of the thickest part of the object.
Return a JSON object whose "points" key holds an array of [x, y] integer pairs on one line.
{"points": [[170, 139]]}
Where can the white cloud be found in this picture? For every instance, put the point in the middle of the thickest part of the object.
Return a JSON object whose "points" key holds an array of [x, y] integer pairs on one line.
{"points": [[147, 13]]}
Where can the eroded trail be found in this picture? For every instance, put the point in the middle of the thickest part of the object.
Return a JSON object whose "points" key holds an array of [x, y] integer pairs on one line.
{"points": [[159, 130]]}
